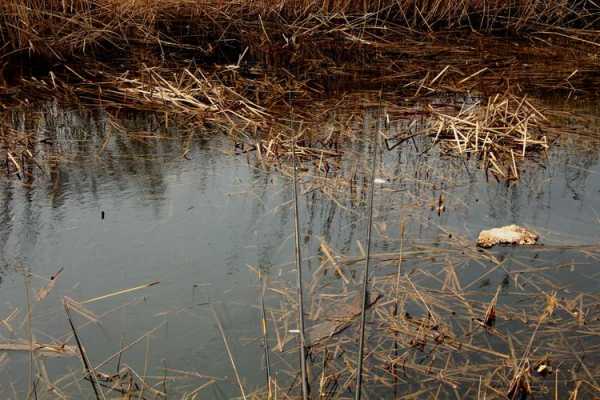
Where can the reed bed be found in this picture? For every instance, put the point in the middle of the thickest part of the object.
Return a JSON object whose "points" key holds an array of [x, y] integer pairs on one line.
{"points": [[59, 29], [503, 132], [217, 66]]}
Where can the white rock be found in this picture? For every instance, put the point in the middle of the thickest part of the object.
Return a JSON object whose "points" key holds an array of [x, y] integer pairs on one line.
{"points": [[510, 234]]}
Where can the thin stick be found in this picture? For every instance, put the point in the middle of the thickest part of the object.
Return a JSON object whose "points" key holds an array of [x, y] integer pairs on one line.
{"points": [[109, 295], [397, 305], [29, 335], [305, 389], [231, 360], [84, 358], [265, 335], [146, 360], [365, 286]]}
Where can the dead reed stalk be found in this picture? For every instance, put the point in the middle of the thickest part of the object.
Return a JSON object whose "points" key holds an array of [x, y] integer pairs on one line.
{"points": [[366, 276], [60, 29], [86, 363], [300, 294]]}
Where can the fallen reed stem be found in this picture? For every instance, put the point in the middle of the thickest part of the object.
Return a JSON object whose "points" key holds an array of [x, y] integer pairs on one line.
{"points": [[119, 292], [229, 354]]}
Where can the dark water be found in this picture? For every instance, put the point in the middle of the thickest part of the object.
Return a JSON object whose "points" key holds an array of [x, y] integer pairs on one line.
{"points": [[138, 211]]}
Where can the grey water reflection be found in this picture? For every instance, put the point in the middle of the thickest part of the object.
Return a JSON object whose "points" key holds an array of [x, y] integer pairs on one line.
{"points": [[121, 209]]}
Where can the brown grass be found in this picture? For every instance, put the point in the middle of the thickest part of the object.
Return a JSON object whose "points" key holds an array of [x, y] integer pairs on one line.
{"points": [[60, 28]]}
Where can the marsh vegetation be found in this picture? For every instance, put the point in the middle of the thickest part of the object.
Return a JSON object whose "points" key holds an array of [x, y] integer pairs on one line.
{"points": [[192, 191]]}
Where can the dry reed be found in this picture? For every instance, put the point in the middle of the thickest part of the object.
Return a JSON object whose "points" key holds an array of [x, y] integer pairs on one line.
{"points": [[60, 28]]}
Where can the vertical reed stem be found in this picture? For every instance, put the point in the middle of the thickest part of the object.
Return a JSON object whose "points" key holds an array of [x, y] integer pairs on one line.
{"points": [[305, 389], [31, 388], [265, 335], [365, 286]]}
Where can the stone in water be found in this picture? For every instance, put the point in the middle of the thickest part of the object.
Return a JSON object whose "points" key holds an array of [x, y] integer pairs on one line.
{"points": [[510, 234]]}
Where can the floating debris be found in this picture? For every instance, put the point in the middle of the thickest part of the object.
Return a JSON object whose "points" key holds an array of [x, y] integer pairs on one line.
{"points": [[43, 292], [489, 320], [46, 350], [501, 133], [543, 368], [509, 234]]}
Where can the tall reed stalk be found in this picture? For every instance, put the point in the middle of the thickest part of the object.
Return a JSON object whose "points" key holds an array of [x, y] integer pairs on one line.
{"points": [[305, 388], [365, 283], [265, 332]]}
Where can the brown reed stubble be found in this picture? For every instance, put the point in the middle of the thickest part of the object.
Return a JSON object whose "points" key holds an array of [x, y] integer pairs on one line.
{"points": [[58, 28]]}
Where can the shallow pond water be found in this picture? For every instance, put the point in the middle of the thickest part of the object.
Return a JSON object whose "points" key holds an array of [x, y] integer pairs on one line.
{"points": [[193, 214]]}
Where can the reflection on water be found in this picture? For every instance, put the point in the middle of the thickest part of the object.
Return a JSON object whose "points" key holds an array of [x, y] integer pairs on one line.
{"points": [[124, 207]]}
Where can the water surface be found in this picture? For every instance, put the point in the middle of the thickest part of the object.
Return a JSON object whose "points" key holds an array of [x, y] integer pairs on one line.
{"points": [[190, 212]]}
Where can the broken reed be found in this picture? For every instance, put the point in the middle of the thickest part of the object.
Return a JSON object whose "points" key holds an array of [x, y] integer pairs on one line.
{"points": [[124, 384], [19, 152], [500, 133], [455, 337]]}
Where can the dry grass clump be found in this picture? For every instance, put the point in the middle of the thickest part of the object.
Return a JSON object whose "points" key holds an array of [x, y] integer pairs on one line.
{"points": [[500, 133], [190, 92], [55, 28]]}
